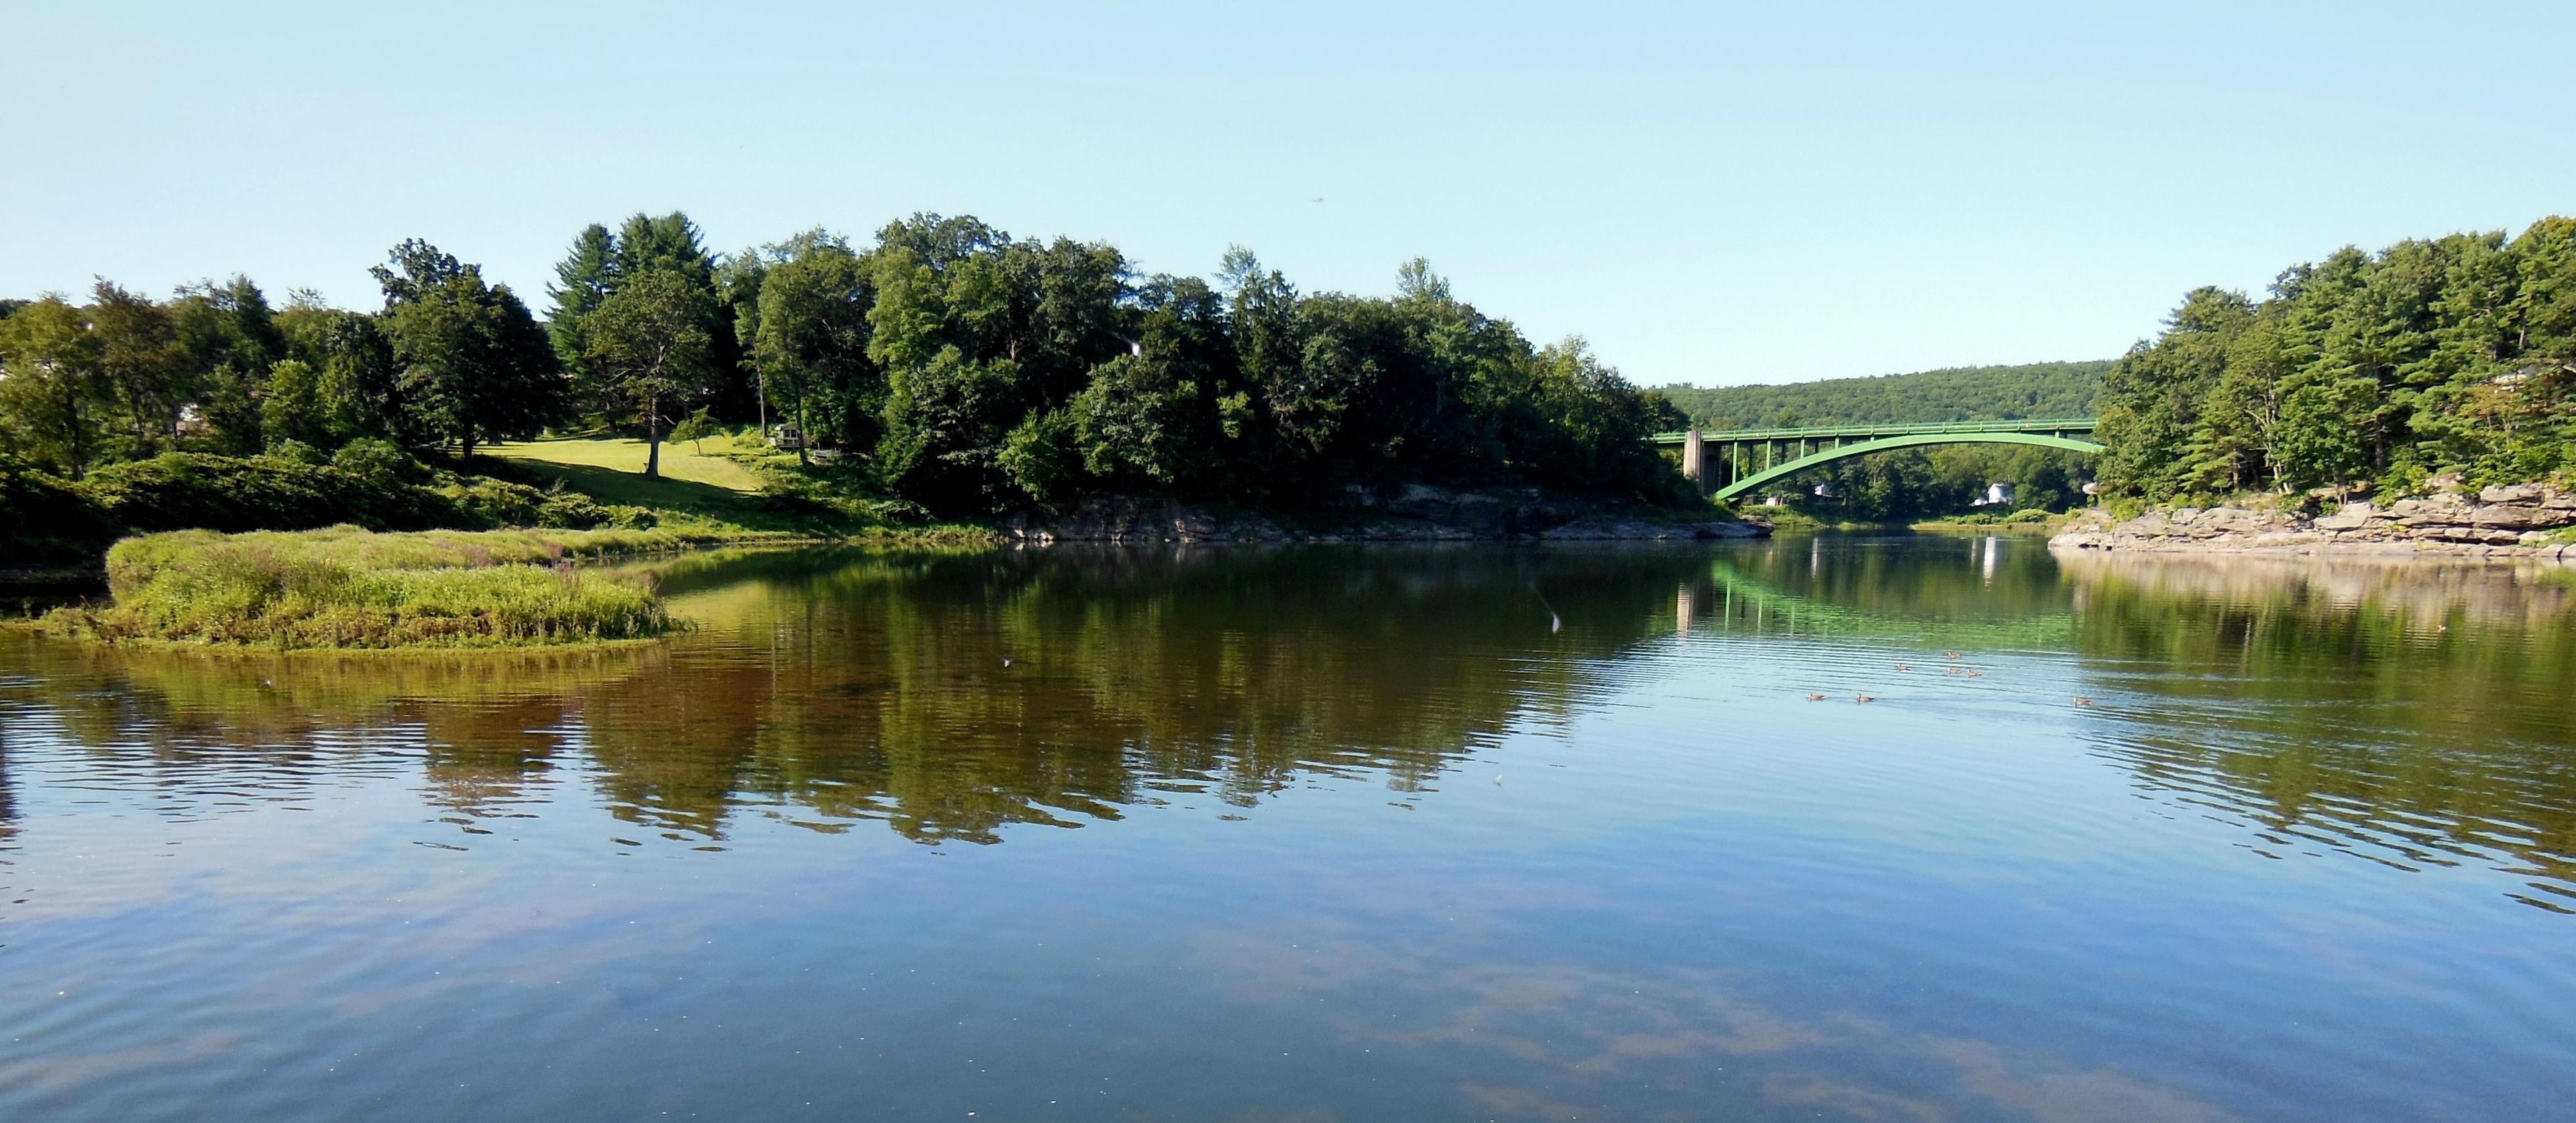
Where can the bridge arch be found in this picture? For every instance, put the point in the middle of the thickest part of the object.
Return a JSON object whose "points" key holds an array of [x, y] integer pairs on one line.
{"points": [[1902, 440]]}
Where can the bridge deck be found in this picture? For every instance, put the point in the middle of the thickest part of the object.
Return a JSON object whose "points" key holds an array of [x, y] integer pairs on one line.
{"points": [[2015, 425]]}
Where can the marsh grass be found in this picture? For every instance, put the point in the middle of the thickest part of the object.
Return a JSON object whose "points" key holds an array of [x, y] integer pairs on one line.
{"points": [[346, 588]]}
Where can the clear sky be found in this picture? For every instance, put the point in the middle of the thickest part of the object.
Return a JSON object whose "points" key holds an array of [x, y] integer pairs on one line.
{"points": [[1709, 193]]}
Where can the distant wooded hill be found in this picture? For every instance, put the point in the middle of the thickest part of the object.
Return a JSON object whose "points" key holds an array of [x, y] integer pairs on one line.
{"points": [[1951, 394]]}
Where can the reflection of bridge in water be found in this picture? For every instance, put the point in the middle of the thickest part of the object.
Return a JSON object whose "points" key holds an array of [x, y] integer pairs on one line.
{"points": [[1750, 458], [1732, 600]]}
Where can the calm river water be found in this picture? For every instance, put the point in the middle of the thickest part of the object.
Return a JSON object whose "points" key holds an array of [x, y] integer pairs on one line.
{"points": [[1331, 834]]}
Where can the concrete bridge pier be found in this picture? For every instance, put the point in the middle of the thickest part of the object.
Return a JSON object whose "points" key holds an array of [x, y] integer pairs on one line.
{"points": [[1695, 460]]}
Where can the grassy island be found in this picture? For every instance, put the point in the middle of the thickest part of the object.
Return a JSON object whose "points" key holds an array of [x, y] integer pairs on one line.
{"points": [[347, 588]]}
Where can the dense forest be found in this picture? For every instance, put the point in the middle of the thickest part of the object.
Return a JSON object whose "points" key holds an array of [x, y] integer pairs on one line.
{"points": [[946, 362], [2449, 355], [1986, 393]]}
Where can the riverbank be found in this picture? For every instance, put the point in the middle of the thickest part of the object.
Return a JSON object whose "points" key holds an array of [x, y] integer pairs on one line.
{"points": [[1417, 513], [2521, 521]]}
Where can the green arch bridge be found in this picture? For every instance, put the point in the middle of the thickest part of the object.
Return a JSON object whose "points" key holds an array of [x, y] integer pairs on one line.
{"points": [[1733, 463]]}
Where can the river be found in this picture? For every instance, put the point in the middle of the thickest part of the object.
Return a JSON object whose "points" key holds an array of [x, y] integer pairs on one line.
{"points": [[1331, 834]]}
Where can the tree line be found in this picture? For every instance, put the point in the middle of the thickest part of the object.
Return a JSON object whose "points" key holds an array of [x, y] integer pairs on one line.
{"points": [[1982, 393], [946, 362], [2447, 355]]}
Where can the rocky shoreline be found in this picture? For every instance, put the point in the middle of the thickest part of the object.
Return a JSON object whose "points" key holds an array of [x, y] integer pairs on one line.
{"points": [[2521, 521], [1417, 514]]}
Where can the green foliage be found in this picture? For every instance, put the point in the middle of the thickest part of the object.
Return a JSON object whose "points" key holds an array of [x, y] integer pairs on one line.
{"points": [[1919, 483], [651, 349], [2430, 357], [348, 588], [54, 386], [695, 429], [229, 338], [356, 392], [1041, 458], [378, 464], [473, 364], [178, 490], [1988, 393], [484, 501], [147, 371], [370, 483], [811, 343], [293, 412], [45, 518]]}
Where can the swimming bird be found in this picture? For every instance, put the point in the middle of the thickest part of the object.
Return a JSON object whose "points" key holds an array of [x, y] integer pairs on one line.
{"points": [[1815, 697], [1975, 673], [1953, 655], [1905, 666], [2083, 701], [1864, 698], [1955, 671]]}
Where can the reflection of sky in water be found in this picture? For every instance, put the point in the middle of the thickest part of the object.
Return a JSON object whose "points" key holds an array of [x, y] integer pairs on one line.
{"points": [[1462, 866]]}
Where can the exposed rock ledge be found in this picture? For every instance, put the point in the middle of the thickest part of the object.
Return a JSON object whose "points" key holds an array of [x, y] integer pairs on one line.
{"points": [[2499, 522], [1418, 514]]}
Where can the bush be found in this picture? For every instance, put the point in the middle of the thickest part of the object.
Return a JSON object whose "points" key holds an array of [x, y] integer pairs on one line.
{"points": [[43, 519], [297, 452], [180, 490], [481, 501], [379, 463]]}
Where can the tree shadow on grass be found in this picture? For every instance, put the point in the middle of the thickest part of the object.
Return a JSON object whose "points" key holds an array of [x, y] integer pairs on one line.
{"points": [[611, 485]]}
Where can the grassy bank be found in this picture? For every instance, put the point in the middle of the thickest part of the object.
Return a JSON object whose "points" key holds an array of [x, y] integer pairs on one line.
{"points": [[347, 588]]}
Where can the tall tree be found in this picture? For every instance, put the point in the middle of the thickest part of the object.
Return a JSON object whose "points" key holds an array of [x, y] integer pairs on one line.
{"points": [[474, 366], [651, 345], [583, 279], [812, 345], [141, 358], [230, 336], [52, 385], [357, 384]]}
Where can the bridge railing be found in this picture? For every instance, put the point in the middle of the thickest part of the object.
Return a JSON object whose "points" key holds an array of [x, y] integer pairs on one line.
{"points": [[2017, 425]]}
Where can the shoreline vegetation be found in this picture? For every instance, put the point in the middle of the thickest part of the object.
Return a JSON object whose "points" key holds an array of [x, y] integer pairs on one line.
{"points": [[950, 384], [346, 588]]}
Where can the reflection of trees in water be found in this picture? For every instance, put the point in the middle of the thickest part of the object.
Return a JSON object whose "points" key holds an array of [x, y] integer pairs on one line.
{"points": [[481, 724], [838, 687], [1938, 591], [1141, 675], [2414, 713]]}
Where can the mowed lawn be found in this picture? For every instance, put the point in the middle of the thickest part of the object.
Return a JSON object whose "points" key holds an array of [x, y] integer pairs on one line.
{"points": [[611, 470]]}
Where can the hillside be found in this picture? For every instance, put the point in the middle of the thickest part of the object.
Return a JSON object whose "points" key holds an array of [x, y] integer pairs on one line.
{"points": [[1951, 394]]}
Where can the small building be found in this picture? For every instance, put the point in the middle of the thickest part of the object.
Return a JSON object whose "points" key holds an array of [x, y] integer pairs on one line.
{"points": [[785, 435], [1997, 495]]}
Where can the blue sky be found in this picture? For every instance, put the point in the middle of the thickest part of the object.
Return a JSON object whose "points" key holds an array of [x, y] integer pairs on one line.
{"points": [[1712, 194]]}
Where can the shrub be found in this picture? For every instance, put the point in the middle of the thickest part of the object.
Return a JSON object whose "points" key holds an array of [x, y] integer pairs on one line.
{"points": [[178, 490], [379, 463], [43, 519], [297, 452]]}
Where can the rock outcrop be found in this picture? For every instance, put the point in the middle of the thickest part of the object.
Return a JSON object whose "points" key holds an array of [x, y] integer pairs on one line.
{"points": [[1417, 514], [2526, 520]]}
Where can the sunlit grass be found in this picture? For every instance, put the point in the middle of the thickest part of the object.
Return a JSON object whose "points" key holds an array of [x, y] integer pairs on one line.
{"points": [[349, 588], [680, 461]]}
